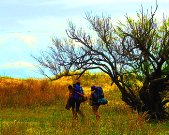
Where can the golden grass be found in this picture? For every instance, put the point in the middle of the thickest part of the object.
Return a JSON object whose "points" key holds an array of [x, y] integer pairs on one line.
{"points": [[55, 120], [28, 92], [37, 107], [22, 93]]}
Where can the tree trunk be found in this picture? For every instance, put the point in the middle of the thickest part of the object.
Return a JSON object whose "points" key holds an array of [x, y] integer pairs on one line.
{"points": [[150, 95], [130, 98], [149, 99]]}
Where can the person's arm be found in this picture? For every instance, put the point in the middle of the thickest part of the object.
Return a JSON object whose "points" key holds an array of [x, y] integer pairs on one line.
{"points": [[80, 94]]}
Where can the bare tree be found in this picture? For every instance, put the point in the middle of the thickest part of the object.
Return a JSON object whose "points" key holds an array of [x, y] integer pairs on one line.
{"points": [[138, 48]]}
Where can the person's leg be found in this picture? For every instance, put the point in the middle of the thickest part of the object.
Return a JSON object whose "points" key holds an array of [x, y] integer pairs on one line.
{"points": [[78, 109], [95, 111], [74, 113]]}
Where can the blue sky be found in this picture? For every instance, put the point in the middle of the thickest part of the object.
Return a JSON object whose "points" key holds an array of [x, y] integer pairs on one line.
{"points": [[27, 26]]}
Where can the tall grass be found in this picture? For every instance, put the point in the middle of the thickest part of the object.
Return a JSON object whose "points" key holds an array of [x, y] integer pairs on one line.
{"points": [[24, 93], [28, 92], [37, 107]]}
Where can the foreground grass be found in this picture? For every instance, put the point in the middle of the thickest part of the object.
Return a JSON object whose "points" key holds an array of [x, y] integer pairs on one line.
{"points": [[116, 118]]}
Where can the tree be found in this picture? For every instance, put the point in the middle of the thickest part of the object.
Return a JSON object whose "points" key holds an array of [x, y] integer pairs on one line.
{"points": [[137, 48]]}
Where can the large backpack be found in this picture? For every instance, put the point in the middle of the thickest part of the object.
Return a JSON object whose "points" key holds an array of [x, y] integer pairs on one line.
{"points": [[99, 95], [99, 92], [76, 91], [79, 94]]}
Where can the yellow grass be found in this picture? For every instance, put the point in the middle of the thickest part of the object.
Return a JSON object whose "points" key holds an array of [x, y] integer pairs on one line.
{"points": [[27, 92], [37, 107]]}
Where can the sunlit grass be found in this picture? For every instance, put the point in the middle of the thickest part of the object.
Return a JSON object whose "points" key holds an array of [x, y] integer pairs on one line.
{"points": [[37, 107], [56, 120]]}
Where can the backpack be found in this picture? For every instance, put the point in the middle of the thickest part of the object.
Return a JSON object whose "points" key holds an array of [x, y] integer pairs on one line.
{"points": [[76, 90], [99, 92], [99, 95], [79, 94]]}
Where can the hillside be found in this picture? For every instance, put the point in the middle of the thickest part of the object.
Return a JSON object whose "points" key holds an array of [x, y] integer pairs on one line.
{"points": [[15, 92]]}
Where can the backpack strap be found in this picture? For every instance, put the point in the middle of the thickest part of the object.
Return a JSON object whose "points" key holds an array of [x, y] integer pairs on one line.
{"points": [[80, 94]]}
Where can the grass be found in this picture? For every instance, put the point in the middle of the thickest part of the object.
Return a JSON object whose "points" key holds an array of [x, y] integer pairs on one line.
{"points": [[39, 110], [54, 119]]}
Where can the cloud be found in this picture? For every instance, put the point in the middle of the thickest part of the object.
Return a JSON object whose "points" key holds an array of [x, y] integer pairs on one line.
{"points": [[40, 23], [77, 3], [2, 40], [82, 3], [29, 40], [5, 38], [45, 25], [17, 64]]}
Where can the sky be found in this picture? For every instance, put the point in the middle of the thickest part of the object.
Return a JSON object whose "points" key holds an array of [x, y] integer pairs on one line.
{"points": [[27, 26]]}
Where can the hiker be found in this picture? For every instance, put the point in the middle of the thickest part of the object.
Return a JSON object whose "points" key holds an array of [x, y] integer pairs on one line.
{"points": [[78, 99], [97, 99], [93, 102], [70, 100]]}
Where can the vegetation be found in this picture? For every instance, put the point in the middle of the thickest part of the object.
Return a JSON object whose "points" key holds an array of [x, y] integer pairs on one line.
{"points": [[33, 107], [138, 48], [38, 107], [34, 92]]}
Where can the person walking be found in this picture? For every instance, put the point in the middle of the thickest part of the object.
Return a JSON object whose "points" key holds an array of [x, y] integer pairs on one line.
{"points": [[75, 98], [94, 102], [96, 99], [78, 99], [70, 101]]}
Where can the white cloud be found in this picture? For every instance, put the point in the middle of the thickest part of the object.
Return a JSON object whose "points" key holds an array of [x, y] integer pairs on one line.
{"points": [[44, 24], [81, 3], [18, 64], [29, 40], [11, 38], [2, 40], [5, 38], [47, 26]]}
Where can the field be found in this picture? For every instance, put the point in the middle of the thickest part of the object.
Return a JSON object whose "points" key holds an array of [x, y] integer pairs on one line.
{"points": [[37, 107]]}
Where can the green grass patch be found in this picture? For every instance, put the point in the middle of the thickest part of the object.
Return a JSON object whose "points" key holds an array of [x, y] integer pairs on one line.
{"points": [[56, 120]]}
